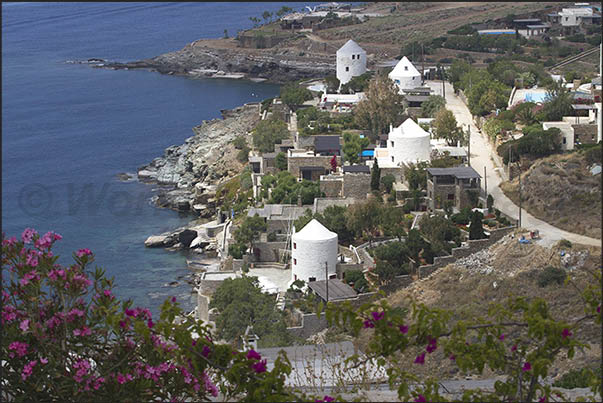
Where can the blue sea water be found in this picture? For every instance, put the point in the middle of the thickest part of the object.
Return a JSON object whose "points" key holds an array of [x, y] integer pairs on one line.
{"points": [[68, 129]]}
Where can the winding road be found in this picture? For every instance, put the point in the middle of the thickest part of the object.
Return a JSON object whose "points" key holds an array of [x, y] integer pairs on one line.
{"points": [[484, 155]]}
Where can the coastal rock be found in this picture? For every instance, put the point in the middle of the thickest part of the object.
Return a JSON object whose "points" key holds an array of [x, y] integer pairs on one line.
{"points": [[124, 177], [155, 241], [147, 175], [186, 237]]}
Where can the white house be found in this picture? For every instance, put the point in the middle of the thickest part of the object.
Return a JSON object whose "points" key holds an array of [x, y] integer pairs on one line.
{"points": [[340, 102], [313, 253], [405, 75], [405, 143], [351, 62]]}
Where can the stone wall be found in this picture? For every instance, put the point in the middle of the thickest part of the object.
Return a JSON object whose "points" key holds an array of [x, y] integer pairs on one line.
{"points": [[311, 324], [356, 185], [294, 163], [464, 251], [332, 187], [268, 251], [438, 194], [259, 41], [202, 307], [398, 173], [398, 282]]}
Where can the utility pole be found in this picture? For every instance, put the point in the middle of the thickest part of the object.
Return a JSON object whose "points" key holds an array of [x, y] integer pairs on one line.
{"points": [[423, 65], [519, 166], [469, 144], [485, 183], [327, 279]]}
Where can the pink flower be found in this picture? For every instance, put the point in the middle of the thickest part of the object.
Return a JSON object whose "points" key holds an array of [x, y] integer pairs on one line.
{"points": [[84, 252], [259, 366], [377, 315], [73, 313], [452, 357], [28, 235], [85, 331], [526, 367], [121, 379], [97, 383], [206, 350], [253, 355], [542, 399], [209, 385], [566, 333], [501, 337], [368, 324], [403, 329], [122, 324], [131, 312], [44, 360], [420, 359], [46, 241], [24, 325], [514, 348], [328, 398], [174, 299], [599, 309], [432, 346], [32, 260], [19, 347], [28, 369], [107, 293], [150, 323], [9, 242], [420, 398]]}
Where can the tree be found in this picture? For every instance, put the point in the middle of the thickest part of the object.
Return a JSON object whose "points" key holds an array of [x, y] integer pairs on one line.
{"points": [[353, 145], [332, 83], [249, 230], [375, 175], [363, 219], [416, 176], [415, 244], [558, 102], [357, 84], [395, 253], [388, 182], [255, 21], [225, 34], [440, 232], [476, 230], [241, 302], [385, 271], [267, 16], [432, 106], [283, 11], [292, 94], [490, 203], [393, 222], [269, 132], [382, 107], [445, 127], [281, 161]]}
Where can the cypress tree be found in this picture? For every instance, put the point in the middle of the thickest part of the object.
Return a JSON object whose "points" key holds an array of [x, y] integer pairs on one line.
{"points": [[375, 176]]}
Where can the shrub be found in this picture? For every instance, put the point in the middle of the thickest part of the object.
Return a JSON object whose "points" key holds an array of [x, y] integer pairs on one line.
{"points": [[576, 378], [551, 275], [243, 154], [271, 237], [564, 243]]}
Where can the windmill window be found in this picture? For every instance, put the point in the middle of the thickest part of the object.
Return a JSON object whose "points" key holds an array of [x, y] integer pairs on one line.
{"points": [[311, 279], [294, 261], [353, 57], [294, 245], [405, 68], [347, 69]]}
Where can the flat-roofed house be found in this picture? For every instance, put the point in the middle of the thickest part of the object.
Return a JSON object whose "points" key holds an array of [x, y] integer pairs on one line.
{"points": [[457, 186]]}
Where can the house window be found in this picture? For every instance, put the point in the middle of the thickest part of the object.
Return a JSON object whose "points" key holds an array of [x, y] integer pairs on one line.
{"points": [[405, 68], [353, 57], [392, 143], [332, 276], [294, 245], [564, 140], [311, 279], [295, 276], [450, 196], [294, 261], [392, 158], [347, 69]]}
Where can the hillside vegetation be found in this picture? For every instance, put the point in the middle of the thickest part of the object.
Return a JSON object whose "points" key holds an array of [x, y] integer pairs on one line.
{"points": [[491, 276], [561, 191]]}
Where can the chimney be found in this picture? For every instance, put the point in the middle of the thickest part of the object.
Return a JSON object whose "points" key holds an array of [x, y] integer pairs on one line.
{"points": [[391, 127]]}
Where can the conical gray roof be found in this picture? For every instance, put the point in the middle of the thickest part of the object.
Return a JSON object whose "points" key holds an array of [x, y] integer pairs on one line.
{"points": [[350, 47]]}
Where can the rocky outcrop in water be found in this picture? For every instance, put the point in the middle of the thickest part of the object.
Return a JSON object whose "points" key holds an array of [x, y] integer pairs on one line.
{"points": [[188, 173], [204, 60]]}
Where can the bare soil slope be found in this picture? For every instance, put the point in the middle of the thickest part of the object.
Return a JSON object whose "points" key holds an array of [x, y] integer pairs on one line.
{"points": [[561, 191]]}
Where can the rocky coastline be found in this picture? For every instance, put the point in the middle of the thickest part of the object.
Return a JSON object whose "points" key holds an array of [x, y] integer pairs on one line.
{"points": [[204, 59], [188, 174]]}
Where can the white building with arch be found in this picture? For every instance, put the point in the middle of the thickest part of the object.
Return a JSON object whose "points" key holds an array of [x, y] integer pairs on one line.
{"points": [[405, 75], [312, 248], [351, 62], [405, 144]]}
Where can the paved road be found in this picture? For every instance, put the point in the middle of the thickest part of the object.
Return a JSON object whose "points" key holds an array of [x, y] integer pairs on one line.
{"points": [[484, 155]]}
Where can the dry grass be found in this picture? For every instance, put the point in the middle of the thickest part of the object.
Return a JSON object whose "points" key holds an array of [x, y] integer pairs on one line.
{"points": [[561, 191]]}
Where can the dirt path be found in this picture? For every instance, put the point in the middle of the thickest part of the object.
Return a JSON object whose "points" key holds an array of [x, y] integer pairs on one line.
{"points": [[484, 155]]}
